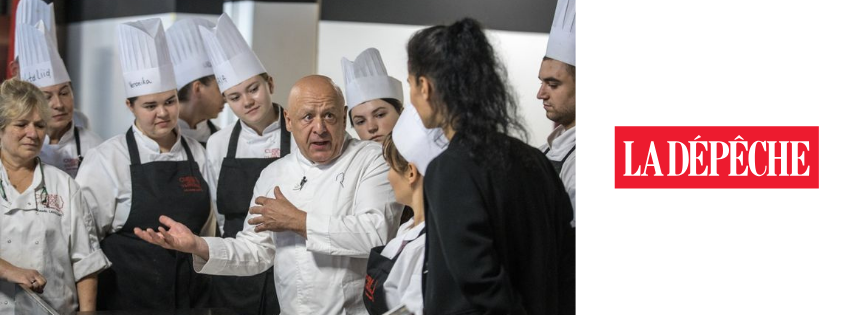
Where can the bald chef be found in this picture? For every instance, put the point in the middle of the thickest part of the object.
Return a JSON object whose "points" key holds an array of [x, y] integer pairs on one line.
{"points": [[321, 209]]}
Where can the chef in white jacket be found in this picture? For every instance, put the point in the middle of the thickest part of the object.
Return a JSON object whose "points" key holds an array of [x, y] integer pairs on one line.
{"points": [[151, 170], [40, 64], [394, 272], [49, 244], [240, 152], [558, 91], [198, 93], [321, 209]]}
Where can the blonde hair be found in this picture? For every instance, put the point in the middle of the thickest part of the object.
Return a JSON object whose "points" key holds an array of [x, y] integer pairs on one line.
{"points": [[19, 98], [394, 159]]}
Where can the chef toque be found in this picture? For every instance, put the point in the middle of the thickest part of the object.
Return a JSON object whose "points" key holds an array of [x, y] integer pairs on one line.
{"points": [[415, 143], [144, 58], [233, 60], [562, 43], [39, 58], [187, 50], [31, 12], [367, 79]]}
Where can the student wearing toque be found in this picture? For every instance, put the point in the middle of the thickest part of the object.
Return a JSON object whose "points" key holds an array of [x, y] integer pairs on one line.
{"points": [[38, 57], [394, 271], [49, 242], [558, 91], [374, 98], [152, 170], [240, 152], [198, 93]]}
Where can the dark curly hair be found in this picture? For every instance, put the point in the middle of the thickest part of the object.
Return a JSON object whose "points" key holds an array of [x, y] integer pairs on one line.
{"points": [[470, 91]]}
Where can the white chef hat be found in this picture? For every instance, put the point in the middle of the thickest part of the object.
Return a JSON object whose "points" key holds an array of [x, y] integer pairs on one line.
{"points": [[414, 142], [31, 12], [144, 58], [39, 58], [233, 60], [367, 79], [562, 43], [187, 50]]}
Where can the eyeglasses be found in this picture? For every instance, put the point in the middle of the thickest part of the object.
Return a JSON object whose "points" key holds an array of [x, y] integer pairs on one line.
{"points": [[43, 186]]}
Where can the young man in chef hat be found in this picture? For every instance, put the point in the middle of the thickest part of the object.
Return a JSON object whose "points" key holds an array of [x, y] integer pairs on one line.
{"points": [[198, 93], [558, 91]]}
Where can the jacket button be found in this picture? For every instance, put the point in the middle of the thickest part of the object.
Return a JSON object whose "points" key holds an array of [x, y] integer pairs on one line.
{"points": [[9, 241], [36, 242]]}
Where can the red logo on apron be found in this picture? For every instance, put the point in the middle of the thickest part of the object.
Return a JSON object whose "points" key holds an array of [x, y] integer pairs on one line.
{"points": [[369, 288], [190, 184]]}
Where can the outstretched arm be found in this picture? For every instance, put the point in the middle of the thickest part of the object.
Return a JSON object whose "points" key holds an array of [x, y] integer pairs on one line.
{"points": [[175, 236]]}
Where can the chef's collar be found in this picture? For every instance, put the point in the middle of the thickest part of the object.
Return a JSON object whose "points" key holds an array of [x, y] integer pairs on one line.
{"points": [[66, 137], [271, 127], [13, 198], [152, 145]]}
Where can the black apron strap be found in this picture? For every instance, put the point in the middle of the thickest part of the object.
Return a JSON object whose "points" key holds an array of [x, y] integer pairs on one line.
{"points": [[285, 135], [568, 154], [132, 148], [189, 156], [212, 127], [77, 140], [234, 140]]}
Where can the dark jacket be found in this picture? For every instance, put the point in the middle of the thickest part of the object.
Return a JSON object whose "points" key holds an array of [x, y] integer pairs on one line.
{"points": [[499, 239]]}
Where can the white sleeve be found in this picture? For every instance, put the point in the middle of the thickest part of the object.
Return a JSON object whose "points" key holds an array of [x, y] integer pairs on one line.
{"points": [[207, 172], [249, 253], [404, 282], [99, 188], [373, 222], [86, 255]]}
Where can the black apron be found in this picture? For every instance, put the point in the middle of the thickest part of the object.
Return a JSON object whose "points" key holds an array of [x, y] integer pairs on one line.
{"points": [[252, 294], [213, 130], [144, 276], [559, 164], [377, 269], [77, 141]]}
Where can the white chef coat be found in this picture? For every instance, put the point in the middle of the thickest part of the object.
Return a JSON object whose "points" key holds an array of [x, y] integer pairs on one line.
{"points": [[350, 209], [64, 154], [404, 284], [106, 182], [559, 142], [201, 132], [57, 239]]}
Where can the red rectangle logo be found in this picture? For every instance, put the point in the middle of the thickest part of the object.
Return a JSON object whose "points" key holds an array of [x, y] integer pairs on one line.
{"points": [[716, 157]]}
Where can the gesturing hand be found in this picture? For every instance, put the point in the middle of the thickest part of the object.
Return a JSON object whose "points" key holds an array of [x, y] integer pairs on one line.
{"points": [[28, 278], [278, 215], [174, 236]]}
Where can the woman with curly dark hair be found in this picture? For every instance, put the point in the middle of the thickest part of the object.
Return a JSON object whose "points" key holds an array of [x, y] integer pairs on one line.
{"points": [[498, 219]]}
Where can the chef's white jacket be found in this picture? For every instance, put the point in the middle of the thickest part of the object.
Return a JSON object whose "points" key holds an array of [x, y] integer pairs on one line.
{"points": [[64, 154], [560, 141], [350, 209], [106, 182], [53, 234], [201, 132], [404, 284]]}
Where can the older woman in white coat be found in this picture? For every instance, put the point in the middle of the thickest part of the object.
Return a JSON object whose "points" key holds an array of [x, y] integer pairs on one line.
{"points": [[50, 244]]}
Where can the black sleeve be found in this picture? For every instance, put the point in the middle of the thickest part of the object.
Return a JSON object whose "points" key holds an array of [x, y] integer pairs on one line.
{"points": [[466, 238]]}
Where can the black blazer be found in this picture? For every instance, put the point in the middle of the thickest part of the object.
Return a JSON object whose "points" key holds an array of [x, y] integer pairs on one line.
{"points": [[499, 239]]}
